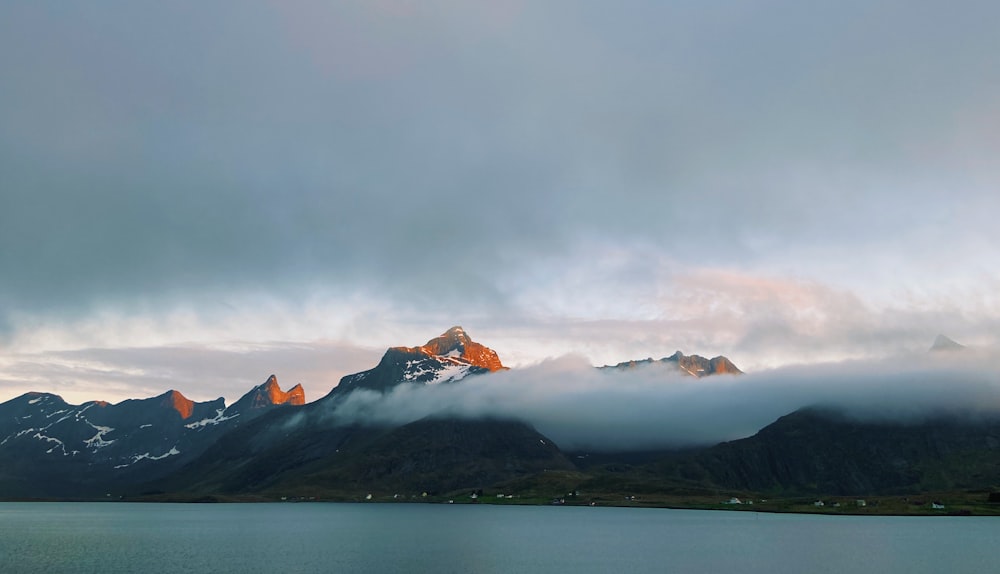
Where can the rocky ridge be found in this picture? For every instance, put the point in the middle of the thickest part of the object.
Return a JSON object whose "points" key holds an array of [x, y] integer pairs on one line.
{"points": [[42, 435], [692, 365]]}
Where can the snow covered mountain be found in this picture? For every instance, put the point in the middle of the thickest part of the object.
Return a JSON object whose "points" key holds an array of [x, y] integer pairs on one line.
{"points": [[445, 359], [53, 441], [271, 441]]}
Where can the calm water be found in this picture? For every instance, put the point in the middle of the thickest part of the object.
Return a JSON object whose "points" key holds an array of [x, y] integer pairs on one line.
{"points": [[249, 538]]}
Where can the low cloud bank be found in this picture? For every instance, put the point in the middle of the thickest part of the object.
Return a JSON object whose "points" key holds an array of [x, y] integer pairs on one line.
{"points": [[581, 407]]}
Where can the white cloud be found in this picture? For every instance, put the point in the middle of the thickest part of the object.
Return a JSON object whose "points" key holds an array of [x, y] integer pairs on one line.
{"points": [[765, 180], [582, 408]]}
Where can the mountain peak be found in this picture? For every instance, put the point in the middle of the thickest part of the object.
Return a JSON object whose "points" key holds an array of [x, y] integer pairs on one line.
{"points": [[694, 365], [269, 393], [943, 343], [457, 344], [175, 400], [454, 339], [447, 358]]}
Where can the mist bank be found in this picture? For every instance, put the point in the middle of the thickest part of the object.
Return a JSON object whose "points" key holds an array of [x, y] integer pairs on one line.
{"points": [[583, 408]]}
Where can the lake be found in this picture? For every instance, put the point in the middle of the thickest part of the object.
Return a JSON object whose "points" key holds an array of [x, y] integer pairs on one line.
{"points": [[327, 537]]}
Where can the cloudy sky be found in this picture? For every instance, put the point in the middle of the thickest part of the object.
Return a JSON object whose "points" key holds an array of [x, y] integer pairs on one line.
{"points": [[197, 195]]}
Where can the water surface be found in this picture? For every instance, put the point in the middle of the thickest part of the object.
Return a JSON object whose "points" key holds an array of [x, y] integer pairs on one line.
{"points": [[317, 537]]}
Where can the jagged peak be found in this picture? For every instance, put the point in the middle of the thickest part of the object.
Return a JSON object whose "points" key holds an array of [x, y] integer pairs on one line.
{"points": [[450, 350], [296, 395], [456, 331], [454, 339], [455, 344], [269, 393], [694, 365]]}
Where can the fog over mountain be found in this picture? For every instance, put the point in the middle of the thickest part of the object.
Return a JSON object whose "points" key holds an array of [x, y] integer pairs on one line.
{"points": [[583, 408]]}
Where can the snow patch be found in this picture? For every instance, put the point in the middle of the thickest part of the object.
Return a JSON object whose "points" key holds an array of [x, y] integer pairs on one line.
{"points": [[97, 441], [444, 369], [137, 457], [59, 443], [218, 418], [451, 373], [34, 401], [173, 450], [415, 369], [687, 370]]}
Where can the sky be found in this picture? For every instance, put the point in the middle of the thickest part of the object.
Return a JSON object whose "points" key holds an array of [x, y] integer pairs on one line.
{"points": [[195, 196]]}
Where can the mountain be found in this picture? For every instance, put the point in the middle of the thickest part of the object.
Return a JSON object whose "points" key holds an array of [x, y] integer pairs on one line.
{"points": [[51, 448], [274, 457], [315, 450], [822, 451], [943, 343], [267, 395], [693, 365], [267, 439], [438, 455], [447, 358], [271, 444]]}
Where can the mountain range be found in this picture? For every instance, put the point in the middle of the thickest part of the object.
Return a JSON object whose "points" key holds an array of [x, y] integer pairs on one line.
{"points": [[271, 444]]}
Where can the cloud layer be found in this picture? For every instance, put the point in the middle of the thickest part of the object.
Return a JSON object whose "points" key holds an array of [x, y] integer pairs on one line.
{"points": [[582, 408], [769, 180]]}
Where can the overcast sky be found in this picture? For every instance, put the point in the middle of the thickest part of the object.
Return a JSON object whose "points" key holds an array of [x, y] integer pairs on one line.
{"points": [[197, 195]]}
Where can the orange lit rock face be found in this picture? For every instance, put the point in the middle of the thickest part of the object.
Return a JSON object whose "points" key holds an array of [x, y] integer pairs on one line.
{"points": [[456, 343], [700, 366], [183, 405], [271, 394], [723, 366], [445, 359], [295, 396]]}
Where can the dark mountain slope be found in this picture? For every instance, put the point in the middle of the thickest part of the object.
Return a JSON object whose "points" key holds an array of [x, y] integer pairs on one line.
{"points": [[438, 455], [315, 449], [820, 451]]}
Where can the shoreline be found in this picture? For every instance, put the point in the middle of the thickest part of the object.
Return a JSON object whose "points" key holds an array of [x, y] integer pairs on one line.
{"points": [[879, 506]]}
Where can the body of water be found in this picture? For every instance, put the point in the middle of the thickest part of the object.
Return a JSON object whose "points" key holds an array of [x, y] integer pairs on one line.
{"points": [[318, 537]]}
